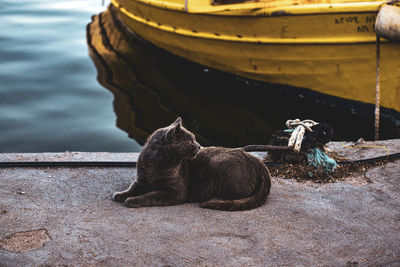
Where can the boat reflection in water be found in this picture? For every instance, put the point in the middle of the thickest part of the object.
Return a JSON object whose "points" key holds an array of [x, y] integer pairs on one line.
{"points": [[152, 87]]}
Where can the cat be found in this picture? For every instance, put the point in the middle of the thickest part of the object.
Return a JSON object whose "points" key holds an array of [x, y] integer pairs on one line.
{"points": [[173, 168]]}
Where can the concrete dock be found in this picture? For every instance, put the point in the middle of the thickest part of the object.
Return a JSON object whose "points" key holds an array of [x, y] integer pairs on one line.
{"points": [[65, 217]]}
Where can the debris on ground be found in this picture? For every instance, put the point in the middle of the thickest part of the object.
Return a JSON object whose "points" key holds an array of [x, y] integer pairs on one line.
{"points": [[303, 171]]}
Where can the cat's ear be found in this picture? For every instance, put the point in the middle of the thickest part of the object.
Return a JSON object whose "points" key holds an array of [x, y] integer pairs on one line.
{"points": [[175, 127], [177, 122]]}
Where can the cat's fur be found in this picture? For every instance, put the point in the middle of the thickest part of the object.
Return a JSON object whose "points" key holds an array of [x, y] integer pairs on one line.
{"points": [[173, 169]]}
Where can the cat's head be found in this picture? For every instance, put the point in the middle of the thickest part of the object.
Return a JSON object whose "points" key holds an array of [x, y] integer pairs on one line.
{"points": [[177, 141]]}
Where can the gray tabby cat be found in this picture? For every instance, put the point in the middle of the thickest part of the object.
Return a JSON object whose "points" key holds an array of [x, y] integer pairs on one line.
{"points": [[172, 169]]}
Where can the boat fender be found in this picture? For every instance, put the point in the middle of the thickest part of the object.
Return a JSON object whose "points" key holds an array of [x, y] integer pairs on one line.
{"points": [[387, 23]]}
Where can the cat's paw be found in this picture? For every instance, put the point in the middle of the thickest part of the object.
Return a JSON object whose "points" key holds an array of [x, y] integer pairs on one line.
{"points": [[131, 202], [119, 197]]}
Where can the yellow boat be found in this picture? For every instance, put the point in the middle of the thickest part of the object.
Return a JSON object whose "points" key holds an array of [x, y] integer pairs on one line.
{"points": [[152, 87], [328, 46]]}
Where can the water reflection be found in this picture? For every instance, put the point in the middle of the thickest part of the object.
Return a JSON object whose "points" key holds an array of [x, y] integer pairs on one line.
{"points": [[152, 87]]}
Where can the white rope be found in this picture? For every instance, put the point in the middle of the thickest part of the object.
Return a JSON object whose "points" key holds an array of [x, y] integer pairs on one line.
{"points": [[187, 5], [300, 128]]}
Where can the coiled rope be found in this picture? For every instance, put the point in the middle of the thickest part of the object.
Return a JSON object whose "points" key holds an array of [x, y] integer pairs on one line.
{"points": [[298, 129]]}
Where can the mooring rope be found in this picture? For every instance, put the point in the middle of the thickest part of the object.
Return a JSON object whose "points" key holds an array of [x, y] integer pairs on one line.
{"points": [[133, 164], [377, 88], [299, 129], [68, 164]]}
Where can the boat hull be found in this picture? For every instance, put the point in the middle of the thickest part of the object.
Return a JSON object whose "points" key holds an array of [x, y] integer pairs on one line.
{"points": [[335, 55], [151, 87]]}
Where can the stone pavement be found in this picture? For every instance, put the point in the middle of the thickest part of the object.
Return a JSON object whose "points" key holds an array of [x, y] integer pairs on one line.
{"points": [[65, 216]]}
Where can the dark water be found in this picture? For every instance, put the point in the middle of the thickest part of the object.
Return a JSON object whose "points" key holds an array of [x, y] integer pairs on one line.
{"points": [[50, 99]]}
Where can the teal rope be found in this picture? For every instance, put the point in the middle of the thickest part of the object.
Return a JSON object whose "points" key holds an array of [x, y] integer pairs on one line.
{"points": [[320, 159]]}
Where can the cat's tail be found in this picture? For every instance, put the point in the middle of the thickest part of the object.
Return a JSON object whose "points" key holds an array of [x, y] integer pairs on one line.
{"points": [[256, 200]]}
